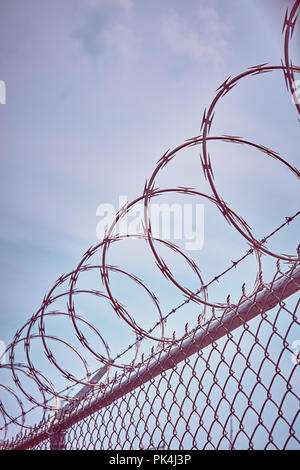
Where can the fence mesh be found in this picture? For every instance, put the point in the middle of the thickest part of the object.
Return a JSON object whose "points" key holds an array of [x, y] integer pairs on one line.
{"points": [[232, 384]]}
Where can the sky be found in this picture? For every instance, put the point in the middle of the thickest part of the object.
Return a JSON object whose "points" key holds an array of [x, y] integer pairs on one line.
{"points": [[97, 91]]}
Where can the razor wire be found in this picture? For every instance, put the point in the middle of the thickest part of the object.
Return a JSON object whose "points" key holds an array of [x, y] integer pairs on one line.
{"points": [[49, 399]]}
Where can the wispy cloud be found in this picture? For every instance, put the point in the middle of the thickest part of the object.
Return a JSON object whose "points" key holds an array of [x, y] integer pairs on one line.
{"points": [[122, 42], [206, 43], [96, 3], [103, 30]]}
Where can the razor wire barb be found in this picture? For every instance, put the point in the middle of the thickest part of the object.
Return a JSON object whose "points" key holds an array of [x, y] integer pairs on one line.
{"points": [[105, 395]]}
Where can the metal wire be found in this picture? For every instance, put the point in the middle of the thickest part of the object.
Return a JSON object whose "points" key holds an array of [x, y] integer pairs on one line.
{"points": [[167, 390], [232, 382]]}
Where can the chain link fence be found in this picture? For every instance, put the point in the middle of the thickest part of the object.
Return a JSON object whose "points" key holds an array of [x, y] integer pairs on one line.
{"points": [[232, 384]]}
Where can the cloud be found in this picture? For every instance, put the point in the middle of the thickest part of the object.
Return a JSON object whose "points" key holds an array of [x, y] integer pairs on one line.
{"points": [[214, 25], [207, 43], [90, 34], [102, 28], [122, 42], [97, 3]]}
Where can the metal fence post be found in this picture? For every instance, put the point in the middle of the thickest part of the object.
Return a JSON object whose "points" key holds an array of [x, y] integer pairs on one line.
{"points": [[57, 440]]}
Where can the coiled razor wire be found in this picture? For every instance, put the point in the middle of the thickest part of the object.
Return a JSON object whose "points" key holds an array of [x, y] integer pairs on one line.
{"points": [[26, 335]]}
